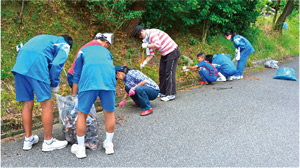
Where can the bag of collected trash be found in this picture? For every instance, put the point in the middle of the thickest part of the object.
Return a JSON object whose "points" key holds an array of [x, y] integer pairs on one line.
{"points": [[286, 73], [271, 64], [68, 112]]}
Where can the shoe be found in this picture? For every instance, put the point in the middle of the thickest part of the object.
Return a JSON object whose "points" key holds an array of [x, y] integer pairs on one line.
{"points": [[221, 79], [79, 151], [161, 95], [136, 105], [146, 112], [237, 77], [56, 144], [28, 144], [109, 147], [168, 98], [202, 83], [229, 78]]}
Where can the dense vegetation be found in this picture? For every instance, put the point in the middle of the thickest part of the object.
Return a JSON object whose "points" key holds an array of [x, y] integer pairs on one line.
{"points": [[195, 25]]}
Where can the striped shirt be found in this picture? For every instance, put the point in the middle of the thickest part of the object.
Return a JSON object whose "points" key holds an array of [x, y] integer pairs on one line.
{"points": [[162, 41]]}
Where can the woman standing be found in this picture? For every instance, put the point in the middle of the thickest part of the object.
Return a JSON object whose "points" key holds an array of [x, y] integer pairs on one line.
{"points": [[243, 48], [155, 39], [139, 87]]}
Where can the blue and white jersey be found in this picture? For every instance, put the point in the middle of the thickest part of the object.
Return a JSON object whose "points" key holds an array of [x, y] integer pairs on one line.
{"points": [[42, 58], [94, 69], [226, 66], [245, 46], [134, 77]]}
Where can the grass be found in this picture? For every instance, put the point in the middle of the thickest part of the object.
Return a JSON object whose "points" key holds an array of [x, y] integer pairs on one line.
{"points": [[59, 18]]}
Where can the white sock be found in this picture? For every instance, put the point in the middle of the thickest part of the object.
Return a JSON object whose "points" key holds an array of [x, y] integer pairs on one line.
{"points": [[29, 138], [48, 142], [109, 137], [80, 140]]}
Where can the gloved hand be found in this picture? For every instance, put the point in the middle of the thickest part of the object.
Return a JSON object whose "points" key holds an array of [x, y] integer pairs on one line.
{"points": [[75, 99], [184, 69], [143, 64], [132, 92], [55, 89], [122, 103], [237, 54], [145, 45]]}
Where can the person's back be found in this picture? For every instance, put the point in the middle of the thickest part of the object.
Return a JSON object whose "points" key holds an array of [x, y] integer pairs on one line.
{"points": [[35, 58], [227, 66], [242, 43], [96, 69]]}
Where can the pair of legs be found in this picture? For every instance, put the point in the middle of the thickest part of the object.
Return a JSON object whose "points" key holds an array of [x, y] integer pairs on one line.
{"points": [[143, 95], [47, 117], [85, 101], [241, 64], [205, 75], [167, 73]]}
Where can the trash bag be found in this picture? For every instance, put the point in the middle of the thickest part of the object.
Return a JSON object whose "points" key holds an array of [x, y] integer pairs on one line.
{"points": [[271, 64], [68, 112], [286, 73]]}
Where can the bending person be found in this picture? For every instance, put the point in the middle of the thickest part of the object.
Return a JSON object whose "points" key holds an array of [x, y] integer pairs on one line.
{"points": [[94, 76], [243, 50], [139, 87], [155, 39], [37, 70]]}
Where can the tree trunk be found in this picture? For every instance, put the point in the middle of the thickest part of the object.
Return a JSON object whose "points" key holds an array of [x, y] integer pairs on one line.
{"points": [[205, 30], [276, 10], [286, 12], [137, 6], [21, 13]]}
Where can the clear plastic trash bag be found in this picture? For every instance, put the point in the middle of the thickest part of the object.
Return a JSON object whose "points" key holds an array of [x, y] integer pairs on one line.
{"points": [[286, 73], [68, 112], [271, 64]]}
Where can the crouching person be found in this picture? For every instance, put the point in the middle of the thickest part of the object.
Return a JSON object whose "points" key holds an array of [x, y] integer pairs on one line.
{"points": [[139, 87], [224, 66], [205, 69], [94, 76], [37, 70]]}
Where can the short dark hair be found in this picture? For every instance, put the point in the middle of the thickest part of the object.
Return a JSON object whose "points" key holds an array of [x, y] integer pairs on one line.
{"points": [[209, 58], [230, 33], [201, 55], [138, 29], [68, 39]]}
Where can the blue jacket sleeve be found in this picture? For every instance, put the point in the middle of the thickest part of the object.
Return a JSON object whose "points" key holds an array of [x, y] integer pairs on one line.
{"points": [[78, 67], [239, 42], [58, 62]]}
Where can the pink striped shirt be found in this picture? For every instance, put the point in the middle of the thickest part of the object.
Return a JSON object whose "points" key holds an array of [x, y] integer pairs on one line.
{"points": [[162, 41]]}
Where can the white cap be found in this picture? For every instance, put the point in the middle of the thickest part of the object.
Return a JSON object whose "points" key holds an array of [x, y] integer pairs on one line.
{"points": [[107, 36]]}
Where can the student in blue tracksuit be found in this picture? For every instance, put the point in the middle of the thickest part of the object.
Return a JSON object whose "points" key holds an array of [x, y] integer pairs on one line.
{"points": [[94, 76], [205, 69], [37, 70], [223, 64], [243, 48]]}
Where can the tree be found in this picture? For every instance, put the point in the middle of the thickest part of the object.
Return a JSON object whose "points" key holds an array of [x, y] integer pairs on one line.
{"points": [[276, 11], [286, 12]]}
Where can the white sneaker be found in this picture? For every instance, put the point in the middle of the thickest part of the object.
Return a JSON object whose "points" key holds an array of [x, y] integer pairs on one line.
{"points": [[56, 144], [109, 147], [236, 77], [221, 79], [168, 98], [79, 151], [161, 95], [28, 144]]}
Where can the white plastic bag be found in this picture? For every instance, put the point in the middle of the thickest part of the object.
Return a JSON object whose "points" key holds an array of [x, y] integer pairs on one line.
{"points": [[271, 64], [68, 112]]}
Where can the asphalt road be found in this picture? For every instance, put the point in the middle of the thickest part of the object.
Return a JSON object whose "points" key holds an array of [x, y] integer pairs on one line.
{"points": [[252, 122]]}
